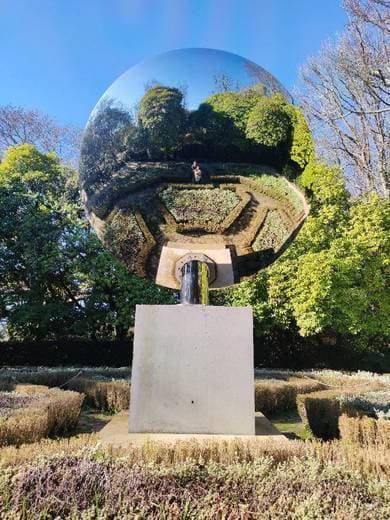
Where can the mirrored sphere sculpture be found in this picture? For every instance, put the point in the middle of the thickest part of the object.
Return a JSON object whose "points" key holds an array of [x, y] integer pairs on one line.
{"points": [[172, 170]]}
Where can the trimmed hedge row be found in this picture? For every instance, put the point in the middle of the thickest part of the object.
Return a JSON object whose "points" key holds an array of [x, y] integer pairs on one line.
{"points": [[364, 431], [67, 352], [33, 412], [107, 396], [321, 410], [279, 396], [281, 349]]}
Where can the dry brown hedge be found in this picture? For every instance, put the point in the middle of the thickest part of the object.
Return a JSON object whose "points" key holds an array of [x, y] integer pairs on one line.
{"points": [[321, 410], [109, 396], [104, 395], [50, 412], [278, 396], [364, 431]]}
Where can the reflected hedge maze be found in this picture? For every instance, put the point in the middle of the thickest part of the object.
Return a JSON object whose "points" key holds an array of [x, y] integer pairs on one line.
{"points": [[149, 205]]}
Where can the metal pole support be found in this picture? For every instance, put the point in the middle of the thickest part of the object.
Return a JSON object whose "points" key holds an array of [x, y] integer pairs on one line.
{"points": [[194, 283]]}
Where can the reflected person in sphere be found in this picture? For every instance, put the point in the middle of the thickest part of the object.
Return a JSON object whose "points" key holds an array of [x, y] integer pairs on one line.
{"points": [[196, 172]]}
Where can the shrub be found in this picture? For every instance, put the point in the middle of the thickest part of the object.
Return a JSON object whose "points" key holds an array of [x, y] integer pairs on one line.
{"points": [[277, 396], [67, 352], [364, 431], [337, 378], [162, 115], [302, 145], [269, 122], [124, 237], [109, 396], [279, 190], [235, 479], [272, 234], [201, 208], [105, 389], [36, 413], [371, 403], [321, 410]]}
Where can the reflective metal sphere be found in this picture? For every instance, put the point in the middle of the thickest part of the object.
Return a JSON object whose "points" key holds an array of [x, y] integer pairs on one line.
{"points": [[167, 168]]}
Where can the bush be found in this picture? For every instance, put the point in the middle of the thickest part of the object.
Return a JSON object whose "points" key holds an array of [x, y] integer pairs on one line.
{"points": [[105, 389], [373, 404], [67, 352], [31, 413], [108, 396], [234, 479], [269, 123], [277, 396], [272, 234], [321, 410], [364, 431], [302, 144], [203, 208]]}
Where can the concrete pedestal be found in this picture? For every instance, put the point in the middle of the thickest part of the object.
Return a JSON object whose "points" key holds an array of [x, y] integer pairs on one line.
{"points": [[192, 370]]}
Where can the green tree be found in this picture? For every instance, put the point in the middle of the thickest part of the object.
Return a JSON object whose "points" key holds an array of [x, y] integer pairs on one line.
{"points": [[333, 278], [56, 280], [105, 144], [269, 123], [224, 118], [163, 117], [302, 144]]}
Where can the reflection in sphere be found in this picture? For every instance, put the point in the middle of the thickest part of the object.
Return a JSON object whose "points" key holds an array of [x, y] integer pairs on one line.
{"points": [[184, 150]]}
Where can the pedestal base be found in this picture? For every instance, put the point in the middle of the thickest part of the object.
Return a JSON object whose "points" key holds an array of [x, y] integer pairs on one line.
{"points": [[192, 370]]}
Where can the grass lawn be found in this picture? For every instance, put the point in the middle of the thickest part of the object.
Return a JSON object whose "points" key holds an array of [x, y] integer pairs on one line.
{"points": [[91, 421], [290, 424]]}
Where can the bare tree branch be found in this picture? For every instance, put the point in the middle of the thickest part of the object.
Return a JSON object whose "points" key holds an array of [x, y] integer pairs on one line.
{"points": [[345, 92], [19, 125]]}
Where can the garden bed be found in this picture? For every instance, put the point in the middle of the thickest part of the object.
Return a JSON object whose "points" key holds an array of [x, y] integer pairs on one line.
{"points": [[30, 413], [235, 479]]}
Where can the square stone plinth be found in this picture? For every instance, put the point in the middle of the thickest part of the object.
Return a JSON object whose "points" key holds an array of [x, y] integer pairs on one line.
{"points": [[192, 370]]}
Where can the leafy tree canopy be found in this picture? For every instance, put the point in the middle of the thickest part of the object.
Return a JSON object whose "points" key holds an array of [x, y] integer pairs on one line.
{"points": [[55, 278], [333, 277], [269, 122], [162, 115]]}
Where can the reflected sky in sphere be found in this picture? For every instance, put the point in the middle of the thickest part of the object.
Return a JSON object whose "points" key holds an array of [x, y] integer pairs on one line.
{"points": [[199, 72]]}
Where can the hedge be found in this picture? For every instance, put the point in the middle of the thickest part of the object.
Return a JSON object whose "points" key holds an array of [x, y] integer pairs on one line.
{"points": [[33, 412], [364, 431], [279, 396], [321, 410], [67, 352], [278, 349]]}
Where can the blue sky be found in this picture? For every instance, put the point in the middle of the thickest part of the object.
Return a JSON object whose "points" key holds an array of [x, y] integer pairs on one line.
{"points": [[61, 55]]}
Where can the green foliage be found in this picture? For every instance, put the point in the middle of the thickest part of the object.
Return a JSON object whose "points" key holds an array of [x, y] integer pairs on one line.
{"points": [[302, 145], [325, 185], [341, 287], [280, 186], [332, 280], [55, 278], [272, 233], [269, 123], [124, 237], [109, 137], [202, 207], [162, 115], [223, 118]]}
